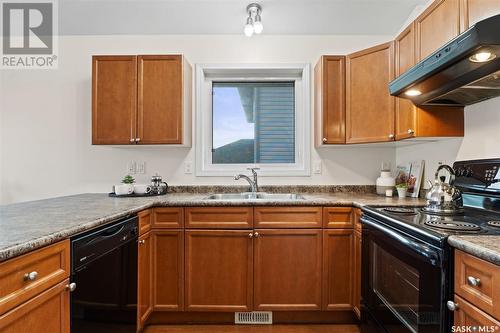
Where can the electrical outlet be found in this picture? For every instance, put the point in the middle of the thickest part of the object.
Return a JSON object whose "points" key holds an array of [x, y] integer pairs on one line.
{"points": [[188, 167], [131, 168], [317, 166], [141, 167]]}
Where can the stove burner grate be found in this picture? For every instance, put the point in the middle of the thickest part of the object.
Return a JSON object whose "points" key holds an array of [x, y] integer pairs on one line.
{"points": [[400, 210], [453, 226], [495, 224]]}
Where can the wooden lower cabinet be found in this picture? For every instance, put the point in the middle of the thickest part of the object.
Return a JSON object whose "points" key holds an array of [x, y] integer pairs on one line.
{"points": [[47, 312], [168, 270], [468, 315], [219, 270], [338, 272], [287, 269], [144, 279]]}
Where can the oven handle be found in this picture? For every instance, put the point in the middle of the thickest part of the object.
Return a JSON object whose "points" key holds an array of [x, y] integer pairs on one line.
{"points": [[423, 250]]}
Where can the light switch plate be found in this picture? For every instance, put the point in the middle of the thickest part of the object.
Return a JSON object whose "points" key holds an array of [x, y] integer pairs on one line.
{"points": [[188, 167], [141, 167], [317, 167], [131, 168]]}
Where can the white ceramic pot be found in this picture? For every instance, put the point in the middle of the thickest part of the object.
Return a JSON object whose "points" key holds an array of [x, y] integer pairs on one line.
{"points": [[402, 192], [124, 189], [385, 182]]}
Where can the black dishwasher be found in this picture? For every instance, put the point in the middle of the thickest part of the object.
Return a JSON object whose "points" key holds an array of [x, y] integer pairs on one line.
{"points": [[104, 272]]}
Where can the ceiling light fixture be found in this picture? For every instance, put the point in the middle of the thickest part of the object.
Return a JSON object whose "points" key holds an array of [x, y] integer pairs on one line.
{"points": [[254, 20]]}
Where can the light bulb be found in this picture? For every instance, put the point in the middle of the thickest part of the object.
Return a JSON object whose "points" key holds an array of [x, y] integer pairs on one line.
{"points": [[482, 56], [413, 92], [257, 26], [249, 27]]}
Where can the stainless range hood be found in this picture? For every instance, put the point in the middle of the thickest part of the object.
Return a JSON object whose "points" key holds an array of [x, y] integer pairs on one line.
{"points": [[463, 72]]}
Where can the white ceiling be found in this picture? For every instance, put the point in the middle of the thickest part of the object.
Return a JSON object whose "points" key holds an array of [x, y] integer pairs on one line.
{"points": [[105, 17]]}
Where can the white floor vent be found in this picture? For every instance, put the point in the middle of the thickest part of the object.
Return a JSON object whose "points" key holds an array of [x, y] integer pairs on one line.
{"points": [[254, 317]]}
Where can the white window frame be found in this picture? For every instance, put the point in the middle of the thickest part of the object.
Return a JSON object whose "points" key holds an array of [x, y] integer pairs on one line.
{"points": [[298, 73]]}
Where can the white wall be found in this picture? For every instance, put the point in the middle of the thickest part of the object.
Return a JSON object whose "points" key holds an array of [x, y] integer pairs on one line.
{"points": [[45, 118], [481, 140]]}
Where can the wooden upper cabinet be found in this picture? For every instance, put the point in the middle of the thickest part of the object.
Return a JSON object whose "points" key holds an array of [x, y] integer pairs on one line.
{"points": [[369, 106], [219, 270], [287, 269], [114, 99], [329, 100], [425, 121], [436, 26], [474, 11], [142, 99], [161, 102]]}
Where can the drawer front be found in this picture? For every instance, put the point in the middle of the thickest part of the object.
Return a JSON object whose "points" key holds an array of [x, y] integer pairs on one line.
{"points": [[288, 217], [338, 217], [168, 217], [478, 282], [219, 218], [48, 266], [467, 315], [144, 221]]}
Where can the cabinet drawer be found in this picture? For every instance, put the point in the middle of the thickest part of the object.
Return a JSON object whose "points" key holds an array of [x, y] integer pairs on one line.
{"points": [[45, 313], [478, 282], [168, 218], [144, 221], [288, 217], [48, 266], [337, 217], [468, 315], [219, 217]]}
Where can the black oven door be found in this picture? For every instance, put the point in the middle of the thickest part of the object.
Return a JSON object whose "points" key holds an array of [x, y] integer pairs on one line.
{"points": [[403, 283]]}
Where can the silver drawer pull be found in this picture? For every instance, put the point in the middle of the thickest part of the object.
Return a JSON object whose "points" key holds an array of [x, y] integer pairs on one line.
{"points": [[142, 241], [250, 235], [31, 276], [71, 287], [452, 306], [325, 140], [475, 282]]}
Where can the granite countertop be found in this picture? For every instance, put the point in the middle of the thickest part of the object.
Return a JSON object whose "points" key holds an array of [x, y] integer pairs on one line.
{"points": [[31, 225], [484, 247]]}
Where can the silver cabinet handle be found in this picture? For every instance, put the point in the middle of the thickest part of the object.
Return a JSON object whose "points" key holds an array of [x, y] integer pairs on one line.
{"points": [[410, 131], [256, 234], [475, 282], [452, 306], [31, 276], [132, 140], [137, 139], [71, 287], [325, 140], [391, 136], [142, 241], [250, 235]]}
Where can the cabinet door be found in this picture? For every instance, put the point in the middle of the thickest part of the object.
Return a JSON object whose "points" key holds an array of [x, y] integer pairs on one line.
{"points": [[436, 26], [357, 274], [160, 94], [405, 58], [474, 11], [47, 312], [329, 105], [467, 315], [114, 99], [144, 279], [219, 270], [287, 269], [168, 270], [338, 269], [369, 107]]}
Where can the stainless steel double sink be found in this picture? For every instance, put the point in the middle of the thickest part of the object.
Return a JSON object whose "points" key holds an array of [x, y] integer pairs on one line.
{"points": [[254, 196]]}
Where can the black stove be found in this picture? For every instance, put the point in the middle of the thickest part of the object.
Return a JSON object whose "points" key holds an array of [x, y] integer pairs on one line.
{"points": [[407, 263]]}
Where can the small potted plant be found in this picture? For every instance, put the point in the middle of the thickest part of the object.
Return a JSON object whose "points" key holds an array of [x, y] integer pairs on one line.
{"points": [[129, 181], [402, 188]]}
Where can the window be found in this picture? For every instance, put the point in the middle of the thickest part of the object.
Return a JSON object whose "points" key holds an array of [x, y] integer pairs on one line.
{"points": [[253, 122], [252, 116]]}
